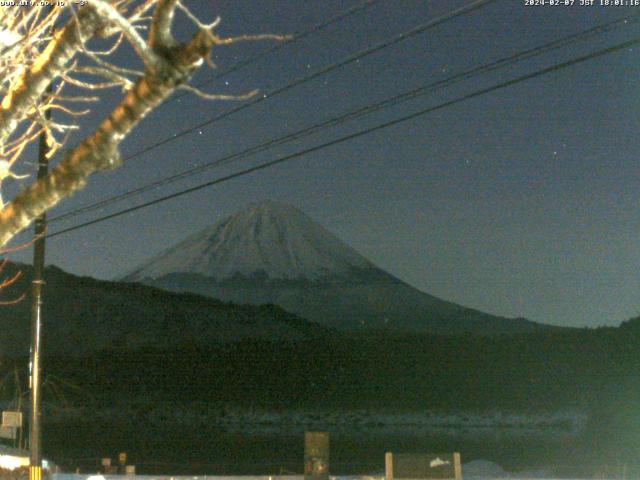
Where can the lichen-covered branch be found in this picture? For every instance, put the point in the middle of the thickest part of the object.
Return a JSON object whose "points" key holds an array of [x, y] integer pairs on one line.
{"points": [[160, 37]]}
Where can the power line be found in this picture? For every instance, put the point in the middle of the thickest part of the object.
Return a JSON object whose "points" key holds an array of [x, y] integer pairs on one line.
{"points": [[538, 73], [279, 45], [470, 7], [386, 103]]}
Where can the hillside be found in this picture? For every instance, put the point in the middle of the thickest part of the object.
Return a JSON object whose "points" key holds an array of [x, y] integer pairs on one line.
{"points": [[548, 371], [82, 315]]}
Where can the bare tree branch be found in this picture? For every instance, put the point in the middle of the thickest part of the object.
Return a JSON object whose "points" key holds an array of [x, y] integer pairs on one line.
{"points": [[99, 151], [33, 82], [217, 96], [39, 59], [10, 281], [112, 16]]}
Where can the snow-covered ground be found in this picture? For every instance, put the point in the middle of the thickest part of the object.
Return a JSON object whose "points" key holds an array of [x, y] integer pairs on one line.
{"points": [[479, 469]]}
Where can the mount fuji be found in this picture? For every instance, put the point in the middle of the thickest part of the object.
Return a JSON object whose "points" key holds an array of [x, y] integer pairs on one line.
{"points": [[274, 253]]}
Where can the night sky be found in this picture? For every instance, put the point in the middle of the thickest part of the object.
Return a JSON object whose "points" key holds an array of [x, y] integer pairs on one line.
{"points": [[522, 202]]}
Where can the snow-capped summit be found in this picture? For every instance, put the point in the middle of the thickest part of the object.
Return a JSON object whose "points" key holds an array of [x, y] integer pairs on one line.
{"points": [[266, 239], [274, 253]]}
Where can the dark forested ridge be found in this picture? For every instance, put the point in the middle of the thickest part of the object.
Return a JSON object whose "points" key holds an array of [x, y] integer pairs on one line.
{"points": [[83, 315], [551, 370]]}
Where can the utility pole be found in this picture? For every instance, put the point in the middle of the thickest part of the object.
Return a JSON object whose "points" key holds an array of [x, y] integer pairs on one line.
{"points": [[35, 456]]}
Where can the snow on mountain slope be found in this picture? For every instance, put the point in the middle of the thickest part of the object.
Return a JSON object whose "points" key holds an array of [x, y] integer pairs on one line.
{"points": [[274, 253], [269, 238]]}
